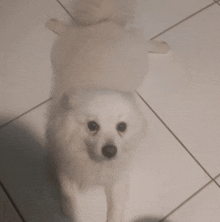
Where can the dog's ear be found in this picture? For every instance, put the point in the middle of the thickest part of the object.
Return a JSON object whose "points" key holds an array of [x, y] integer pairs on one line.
{"points": [[65, 103], [70, 101], [56, 26]]}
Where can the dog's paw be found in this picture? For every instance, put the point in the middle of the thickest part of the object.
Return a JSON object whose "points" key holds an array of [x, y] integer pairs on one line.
{"points": [[158, 47], [164, 47], [56, 26]]}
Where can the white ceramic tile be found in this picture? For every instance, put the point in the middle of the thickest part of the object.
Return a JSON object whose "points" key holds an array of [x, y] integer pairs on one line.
{"points": [[202, 208], [183, 87], [19, 18], [154, 16], [25, 54], [7, 211], [160, 170]]}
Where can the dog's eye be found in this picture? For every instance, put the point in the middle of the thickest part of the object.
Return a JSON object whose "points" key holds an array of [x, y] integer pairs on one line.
{"points": [[93, 126], [121, 127]]}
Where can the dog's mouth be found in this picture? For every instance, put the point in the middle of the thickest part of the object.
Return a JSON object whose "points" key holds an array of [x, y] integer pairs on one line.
{"points": [[108, 152], [93, 156]]}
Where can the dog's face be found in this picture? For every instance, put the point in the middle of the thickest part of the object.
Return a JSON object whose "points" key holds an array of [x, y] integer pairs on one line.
{"points": [[108, 123]]}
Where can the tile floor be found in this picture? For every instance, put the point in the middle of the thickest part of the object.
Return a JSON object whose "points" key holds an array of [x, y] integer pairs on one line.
{"points": [[176, 173]]}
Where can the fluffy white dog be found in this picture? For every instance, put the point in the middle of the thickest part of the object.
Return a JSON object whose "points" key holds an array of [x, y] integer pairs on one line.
{"points": [[94, 122]]}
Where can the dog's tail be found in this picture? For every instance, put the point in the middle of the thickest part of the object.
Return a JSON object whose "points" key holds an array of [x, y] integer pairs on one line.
{"points": [[88, 12]]}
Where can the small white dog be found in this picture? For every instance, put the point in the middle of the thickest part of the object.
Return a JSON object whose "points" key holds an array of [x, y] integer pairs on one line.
{"points": [[94, 122]]}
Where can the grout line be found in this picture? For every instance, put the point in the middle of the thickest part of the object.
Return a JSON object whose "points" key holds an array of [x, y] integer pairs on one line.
{"points": [[181, 143], [7, 123], [168, 29], [189, 198], [12, 202], [65, 10], [217, 1], [215, 178]]}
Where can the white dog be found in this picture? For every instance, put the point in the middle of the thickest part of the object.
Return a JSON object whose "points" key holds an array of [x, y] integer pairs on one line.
{"points": [[94, 121]]}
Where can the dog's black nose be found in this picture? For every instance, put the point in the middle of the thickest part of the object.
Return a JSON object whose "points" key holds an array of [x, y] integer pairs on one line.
{"points": [[109, 151]]}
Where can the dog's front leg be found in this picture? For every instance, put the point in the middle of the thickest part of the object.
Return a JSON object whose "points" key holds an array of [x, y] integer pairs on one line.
{"points": [[70, 199], [116, 196]]}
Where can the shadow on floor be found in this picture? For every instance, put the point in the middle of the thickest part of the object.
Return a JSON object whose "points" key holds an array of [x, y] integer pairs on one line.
{"points": [[23, 174]]}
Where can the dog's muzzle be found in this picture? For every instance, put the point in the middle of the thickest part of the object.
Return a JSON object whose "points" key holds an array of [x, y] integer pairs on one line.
{"points": [[109, 151]]}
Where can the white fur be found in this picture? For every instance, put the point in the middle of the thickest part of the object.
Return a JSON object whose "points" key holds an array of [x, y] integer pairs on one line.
{"points": [[76, 152], [97, 66], [110, 58]]}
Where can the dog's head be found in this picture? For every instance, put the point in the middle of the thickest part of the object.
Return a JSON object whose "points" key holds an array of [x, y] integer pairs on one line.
{"points": [[108, 123]]}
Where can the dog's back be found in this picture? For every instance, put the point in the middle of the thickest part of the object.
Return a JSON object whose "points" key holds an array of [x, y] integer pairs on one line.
{"points": [[98, 52]]}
